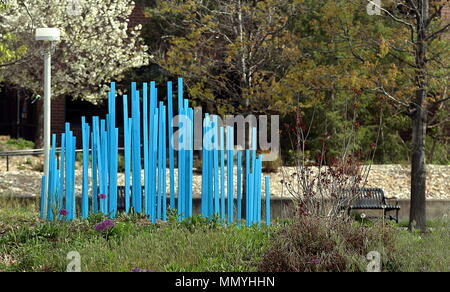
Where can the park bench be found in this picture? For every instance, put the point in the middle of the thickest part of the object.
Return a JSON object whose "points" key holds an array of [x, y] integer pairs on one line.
{"points": [[372, 199]]}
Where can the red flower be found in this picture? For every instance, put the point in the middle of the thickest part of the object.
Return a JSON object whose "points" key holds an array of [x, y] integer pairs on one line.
{"points": [[63, 212], [102, 196]]}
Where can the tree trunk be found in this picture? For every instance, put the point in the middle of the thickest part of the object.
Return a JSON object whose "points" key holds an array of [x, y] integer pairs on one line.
{"points": [[417, 218], [418, 166]]}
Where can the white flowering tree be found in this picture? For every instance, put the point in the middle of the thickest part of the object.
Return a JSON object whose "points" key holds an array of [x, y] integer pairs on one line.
{"points": [[97, 45]]}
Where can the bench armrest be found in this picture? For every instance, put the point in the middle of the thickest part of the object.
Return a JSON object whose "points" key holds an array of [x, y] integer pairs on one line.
{"points": [[392, 199]]}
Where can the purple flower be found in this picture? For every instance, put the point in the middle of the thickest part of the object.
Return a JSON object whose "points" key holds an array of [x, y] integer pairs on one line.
{"points": [[63, 212], [102, 196], [315, 262], [105, 225], [138, 270]]}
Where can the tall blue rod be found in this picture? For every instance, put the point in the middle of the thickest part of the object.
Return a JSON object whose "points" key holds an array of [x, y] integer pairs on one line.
{"points": [[104, 137], [267, 200], [191, 160], [112, 201], [258, 189], [181, 176], [230, 160], [74, 155], [100, 189], [210, 170], [154, 162], [247, 184], [62, 166], [115, 150], [136, 192], [160, 162], [180, 152], [171, 150], [164, 164], [239, 187], [146, 145], [68, 171], [84, 193], [204, 196], [206, 161], [126, 145], [222, 172], [250, 218], [216, 166], [95, 183]]}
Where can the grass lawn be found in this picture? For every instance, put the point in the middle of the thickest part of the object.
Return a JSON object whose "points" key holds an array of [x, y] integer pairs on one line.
{"points": [[29, 245]]}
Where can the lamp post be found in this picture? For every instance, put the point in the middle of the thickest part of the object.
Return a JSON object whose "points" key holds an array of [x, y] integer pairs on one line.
{"points": [[47, 35]]}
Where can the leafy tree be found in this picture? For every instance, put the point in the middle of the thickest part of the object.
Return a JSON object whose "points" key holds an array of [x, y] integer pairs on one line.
{"points": [[7, 54], [96, 44], [227, 50], [419, 50]]}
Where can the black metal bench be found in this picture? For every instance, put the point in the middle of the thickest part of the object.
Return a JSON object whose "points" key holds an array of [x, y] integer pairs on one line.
{"points": [[372, 199]]}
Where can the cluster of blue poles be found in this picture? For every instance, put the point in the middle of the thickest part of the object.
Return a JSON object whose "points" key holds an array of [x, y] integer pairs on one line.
{"points": [[156, 137]]}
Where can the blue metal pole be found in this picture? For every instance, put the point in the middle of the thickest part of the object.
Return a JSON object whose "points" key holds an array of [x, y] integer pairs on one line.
{"points": [[160, 162], [68, 171], [154, 162], [136, 152], [191, 160], [258, 189], [250, 218], [127, 151], [216, 166], [239, 187], [164, 165], [146, 157], [180, 151], [247, 185], [204, 197], [267, 200], [85, 195], [222, 171], [171, 150], [230, 158], [62, 166]]}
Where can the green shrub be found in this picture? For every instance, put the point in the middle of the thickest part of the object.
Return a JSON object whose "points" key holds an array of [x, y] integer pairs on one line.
{"points": [[314, 244], [19, 144], [272, 166]]}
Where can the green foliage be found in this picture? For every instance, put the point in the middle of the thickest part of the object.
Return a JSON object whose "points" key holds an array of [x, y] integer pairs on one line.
{"points": [[327, 58], [420, 252], [16, 144], [272, 166], [206, 245], [199, 244]]}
